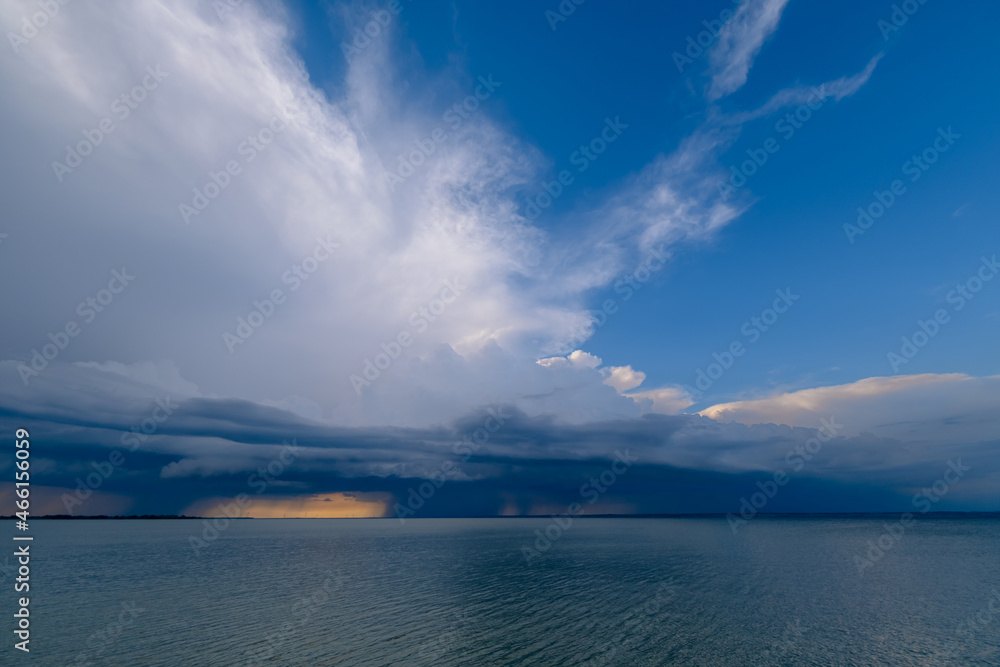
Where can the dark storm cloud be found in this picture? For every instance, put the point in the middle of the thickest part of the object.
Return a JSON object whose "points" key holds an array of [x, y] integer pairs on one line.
{"points": [[179, 449]]}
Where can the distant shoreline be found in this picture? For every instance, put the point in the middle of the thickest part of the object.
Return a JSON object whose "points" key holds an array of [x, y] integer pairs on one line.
{"points": [[97, 517], [775, 515]]}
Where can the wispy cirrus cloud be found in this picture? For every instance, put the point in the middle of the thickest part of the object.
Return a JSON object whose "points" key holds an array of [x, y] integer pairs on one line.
{"points": [[837, 89], [739, 42]]}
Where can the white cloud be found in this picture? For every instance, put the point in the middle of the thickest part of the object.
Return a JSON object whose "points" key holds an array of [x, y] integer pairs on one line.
{"points": [[944, 408], [739, 42], [162, 375], [585, 359], [623, 378], [837, 89], [664, 401], [322, 176]]}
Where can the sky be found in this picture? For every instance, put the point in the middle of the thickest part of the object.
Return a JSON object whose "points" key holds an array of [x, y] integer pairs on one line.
{"points": [[424, 258]]}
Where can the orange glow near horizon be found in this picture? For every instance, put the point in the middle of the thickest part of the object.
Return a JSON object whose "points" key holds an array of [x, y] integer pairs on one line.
{"points": [[319, 506], [315, 506]]}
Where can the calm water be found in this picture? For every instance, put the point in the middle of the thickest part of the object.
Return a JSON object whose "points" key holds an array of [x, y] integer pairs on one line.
{"points": [[459, 592]]}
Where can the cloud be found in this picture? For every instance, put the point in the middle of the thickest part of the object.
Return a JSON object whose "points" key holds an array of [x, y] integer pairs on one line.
{"points": [[683, 463], [623, 378], [664, 401], [161, 375], [837, 89], [739, 42], [927, 408], [577, 358], [322, 177]]}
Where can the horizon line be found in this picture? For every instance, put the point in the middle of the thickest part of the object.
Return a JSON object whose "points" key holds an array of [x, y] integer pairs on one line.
{"points": [[680, 515]]}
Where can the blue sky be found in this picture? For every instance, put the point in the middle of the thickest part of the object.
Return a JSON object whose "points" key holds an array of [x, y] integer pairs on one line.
{"points": [[495, 301]]}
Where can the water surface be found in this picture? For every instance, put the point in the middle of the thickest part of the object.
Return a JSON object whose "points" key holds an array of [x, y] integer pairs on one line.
{"points": [[460, 592]]}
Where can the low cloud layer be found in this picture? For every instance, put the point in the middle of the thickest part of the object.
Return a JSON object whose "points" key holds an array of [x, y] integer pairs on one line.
{"points": [[180, 452]]}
